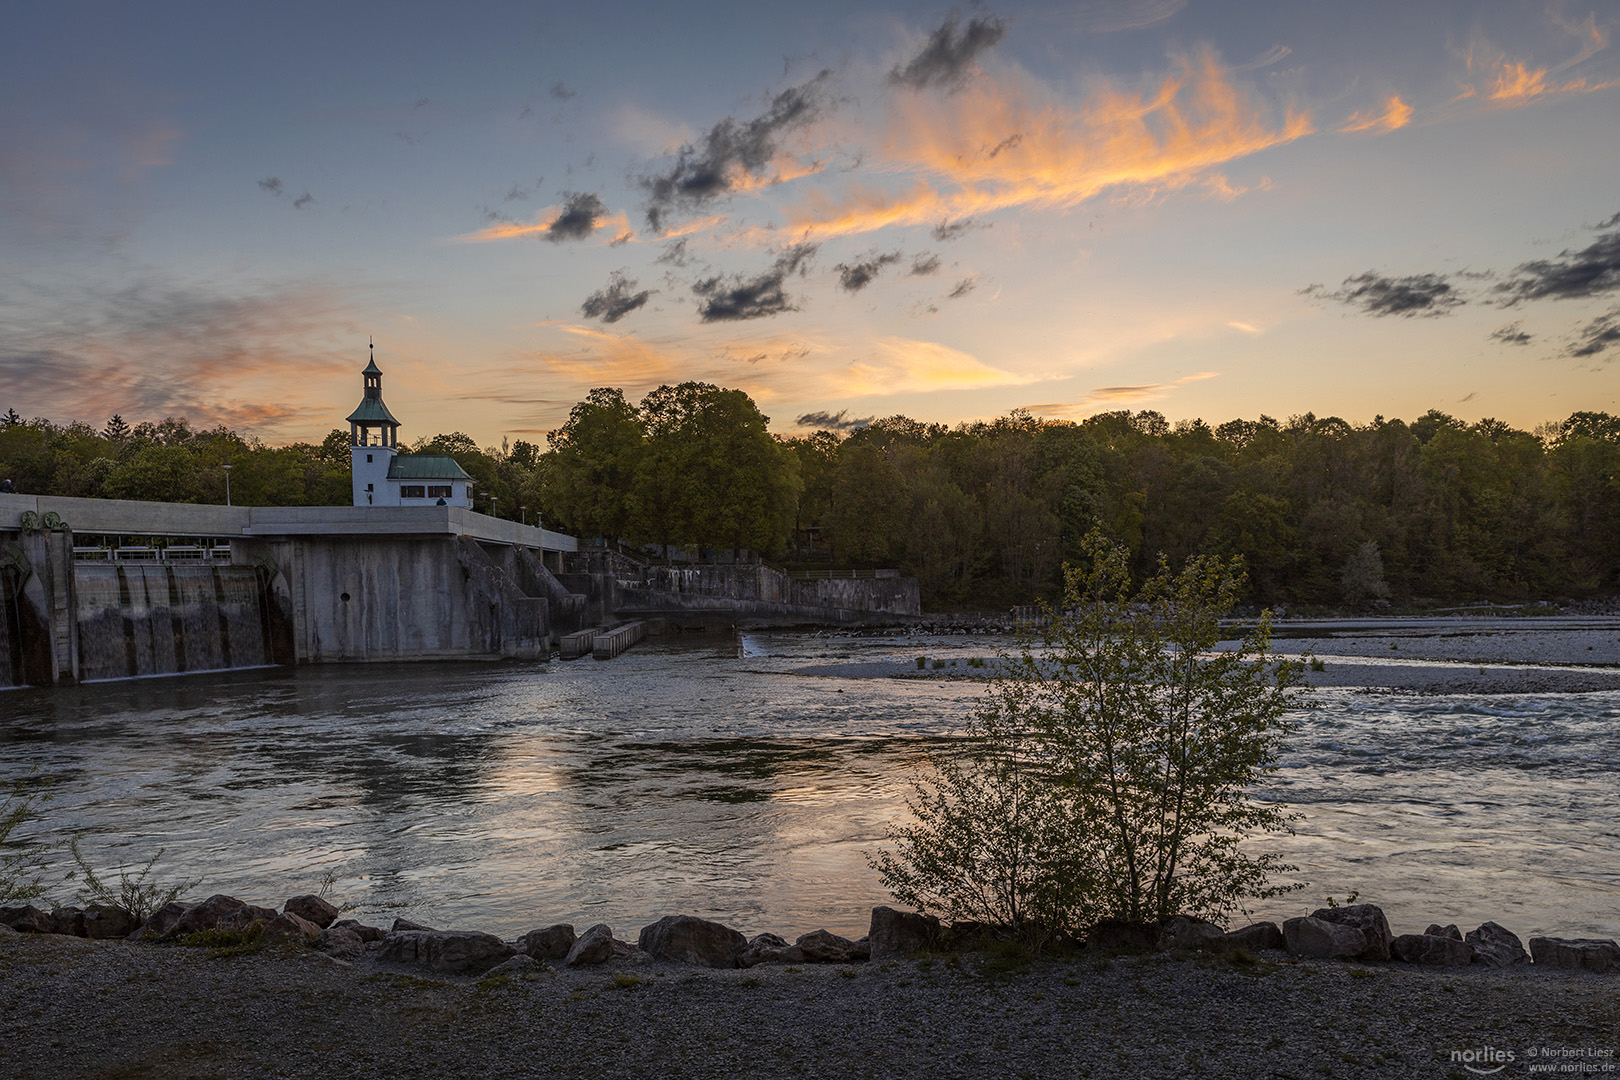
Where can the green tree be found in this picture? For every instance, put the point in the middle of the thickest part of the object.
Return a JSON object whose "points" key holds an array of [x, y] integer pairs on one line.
{"points": [[589, 473]]}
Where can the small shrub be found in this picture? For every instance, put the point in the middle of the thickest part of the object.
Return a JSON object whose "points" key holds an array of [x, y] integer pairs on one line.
{"points": [[223, 943], [848, 973], [1332, 903], [22, 875], [750, 982], [1318, 664], [135, 894], [938, 664], [627, 982], [922, 662]]}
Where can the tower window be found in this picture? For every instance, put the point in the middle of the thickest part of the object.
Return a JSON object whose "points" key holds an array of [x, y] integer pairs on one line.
{"points": [[368, 459], [368, 487]]}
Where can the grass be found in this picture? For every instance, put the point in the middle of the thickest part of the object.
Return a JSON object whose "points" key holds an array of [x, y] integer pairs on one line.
{"points": [[624, 981], [922, 662], [225, 943]]}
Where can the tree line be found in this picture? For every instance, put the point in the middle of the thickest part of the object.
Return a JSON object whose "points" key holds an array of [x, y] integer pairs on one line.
{"points": [[1324, 513]]}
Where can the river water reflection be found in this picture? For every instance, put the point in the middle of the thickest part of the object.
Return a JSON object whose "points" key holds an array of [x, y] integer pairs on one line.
{"points": [[701, 775]]}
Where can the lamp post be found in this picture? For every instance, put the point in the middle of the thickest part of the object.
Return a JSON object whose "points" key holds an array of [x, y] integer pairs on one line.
{"points": [[227, 469], [523, 515], [492, 506]]}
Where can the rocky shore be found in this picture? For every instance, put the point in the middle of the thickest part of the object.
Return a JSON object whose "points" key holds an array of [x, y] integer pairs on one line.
{"points": [[304, 992]]}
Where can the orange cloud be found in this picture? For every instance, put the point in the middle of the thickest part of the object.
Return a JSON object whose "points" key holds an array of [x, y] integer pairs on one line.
{"points": [[1396, 114], [1118, 397], [614, 226], [1515, 84], [904, 365], [1005, 143]]}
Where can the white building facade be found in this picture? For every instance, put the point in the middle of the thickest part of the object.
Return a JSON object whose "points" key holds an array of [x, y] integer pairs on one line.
{"points": [[385, 477]]}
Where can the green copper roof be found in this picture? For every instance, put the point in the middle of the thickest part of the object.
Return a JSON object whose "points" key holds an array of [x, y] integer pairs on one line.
{"points": [[426, 467], [372, 411], [372, 368]]}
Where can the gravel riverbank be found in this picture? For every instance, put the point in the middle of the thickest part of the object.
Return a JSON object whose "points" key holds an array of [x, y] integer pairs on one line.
{"points": [[72, 1008]]}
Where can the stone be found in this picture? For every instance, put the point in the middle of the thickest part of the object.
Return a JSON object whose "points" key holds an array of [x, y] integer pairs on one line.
{"points": [[406, 924], [769, 949], [550, 943], [312, 907], [1497, 946], [1451, 931], [517, 965], [161, 923], [1119, 936], [901, 932], [28, 919], [822, 947], [455, 952], [244, 917], [6, 931], [1260, 935], [368, 934], [1187, 932], [1369, 919], [627, 955], [1439, 950], [341, 942], [594, 946], [69, 921], [1319, 938], [1582, 954], [208, 915], [103, 923], [687, 939], [289, 927]]}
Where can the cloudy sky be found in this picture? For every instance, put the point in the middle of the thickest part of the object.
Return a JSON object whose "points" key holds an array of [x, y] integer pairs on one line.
{"points": [[846, 209]]}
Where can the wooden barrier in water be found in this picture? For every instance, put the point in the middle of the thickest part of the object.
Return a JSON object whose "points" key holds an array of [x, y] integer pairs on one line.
{"points": [[611, 643], [578, 644]]}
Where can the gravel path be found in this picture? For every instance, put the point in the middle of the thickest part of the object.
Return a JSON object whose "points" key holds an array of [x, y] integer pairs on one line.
{"points": [[73, 1008]]}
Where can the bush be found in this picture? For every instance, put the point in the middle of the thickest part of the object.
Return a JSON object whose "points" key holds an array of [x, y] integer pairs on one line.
{"points": [[1110, 775], [134, 893], [22, 873]]}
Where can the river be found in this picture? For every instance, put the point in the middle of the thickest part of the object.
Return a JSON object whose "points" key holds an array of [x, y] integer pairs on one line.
{"points": [[702, 775]]}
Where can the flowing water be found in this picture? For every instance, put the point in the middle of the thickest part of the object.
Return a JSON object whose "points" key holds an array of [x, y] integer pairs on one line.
{"points": [[702, 776]]}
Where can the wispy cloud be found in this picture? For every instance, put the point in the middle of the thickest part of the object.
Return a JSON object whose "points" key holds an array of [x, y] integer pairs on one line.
{"points": [[899, 365], [1395, 114], [950, 54], [1511, 334], [615, 300], [1377, 294], [838, 421], [1591, 271], [1598, 335], [855, 276], [1104, 398], [744, 297], [578, 218]]}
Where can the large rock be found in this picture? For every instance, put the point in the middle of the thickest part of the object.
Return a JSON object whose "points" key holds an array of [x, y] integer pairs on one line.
{"points": [[245, 917], [342, 943], [1440, 950], [769, 949], [551, 943], [455, 952], [1120, 936], [1497, 946], [288, 927], [688, 939], [822, 947], [1450, 931], [1186, 932], [594, 946], [901, 931], [102, 923], [161, 923], [28, 919], [313, 908], [1260, 935], [1319, 938], [517, 965], [208, 915], [1369, 919], [406, 924], [368, 934], [1585, 954], [69, 921]]}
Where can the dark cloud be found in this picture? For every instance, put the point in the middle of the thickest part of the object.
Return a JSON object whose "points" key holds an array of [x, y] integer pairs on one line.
{"points": [[303, 200], [756, 297], [580, 215], [622, 239], [675, 254], [946, 231], [853, 277], [273, 186], [947, 59], [615, 300], [1592, 271], [1419, 294], [963, 287], [924, 265], [559, 92], [1511, 335], [1597, 335], [838, 421], [730, 152]]}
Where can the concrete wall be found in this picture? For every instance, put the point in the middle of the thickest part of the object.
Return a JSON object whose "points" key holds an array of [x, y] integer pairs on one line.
{"points": [[732, 582], [894, 595]]}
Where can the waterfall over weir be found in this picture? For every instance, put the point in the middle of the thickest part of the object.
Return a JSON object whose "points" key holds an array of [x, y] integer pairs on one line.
{"points": [[138, 619]]}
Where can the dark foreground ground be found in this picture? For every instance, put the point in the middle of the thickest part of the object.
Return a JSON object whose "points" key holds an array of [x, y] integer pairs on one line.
{"points": [[74, 1008]]}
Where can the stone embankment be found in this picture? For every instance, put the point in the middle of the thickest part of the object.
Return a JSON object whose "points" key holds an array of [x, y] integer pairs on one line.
{"points": [[1358, 932]]}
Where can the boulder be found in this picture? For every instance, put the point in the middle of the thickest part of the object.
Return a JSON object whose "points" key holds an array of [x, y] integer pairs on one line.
{"points": [[406, 924], [1585, 954], [161, 923], [688, 939], [368, 934], [28, 919], [1187, 932], [901, 931], [1119, 936], [288, 927], [342, 943], [769, 949], [551, 943], [1260, 935], [1319, 938], [517, 965], [594, 946], [313, 908], [208, 915], [822, 947], [244, 917], [1369, 919], [1497, 946], [69, 921], [6, 931], [1436, 930], [1439, 950], [102, 923], [625, 955], [456, 952]]}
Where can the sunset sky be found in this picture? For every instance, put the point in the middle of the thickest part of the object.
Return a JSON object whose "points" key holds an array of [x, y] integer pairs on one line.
{"points": [[846, 209]]}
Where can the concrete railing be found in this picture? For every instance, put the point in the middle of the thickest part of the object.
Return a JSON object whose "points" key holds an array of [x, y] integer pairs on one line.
{"points": [[613, 642]]}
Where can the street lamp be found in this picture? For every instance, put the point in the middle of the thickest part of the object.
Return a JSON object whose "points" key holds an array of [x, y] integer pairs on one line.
{"points": [[523, 515], [227, 469], [492, 506]]}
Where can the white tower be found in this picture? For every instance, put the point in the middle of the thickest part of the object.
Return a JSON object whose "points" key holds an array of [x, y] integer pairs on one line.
{"points": [[371, 453]]}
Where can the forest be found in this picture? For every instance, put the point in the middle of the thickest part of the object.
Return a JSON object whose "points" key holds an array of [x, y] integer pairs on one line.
{"points": [[1327, 515]]}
